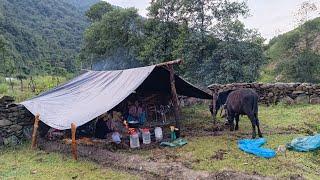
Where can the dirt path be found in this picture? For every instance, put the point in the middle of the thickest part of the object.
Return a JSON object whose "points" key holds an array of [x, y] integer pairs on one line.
{"points": [[135, 164]]}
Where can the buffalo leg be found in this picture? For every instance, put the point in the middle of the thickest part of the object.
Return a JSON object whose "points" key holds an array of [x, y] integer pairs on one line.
{"points": [[237, 122], [231, 121], [258, 126], [253, 123]]}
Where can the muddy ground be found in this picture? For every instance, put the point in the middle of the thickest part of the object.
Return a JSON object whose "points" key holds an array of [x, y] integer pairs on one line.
{"points": [[162, 165], [135, 164]]}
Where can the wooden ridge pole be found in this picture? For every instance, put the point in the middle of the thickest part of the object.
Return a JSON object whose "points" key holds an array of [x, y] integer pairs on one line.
{"points": [[74, 142], [34, 132], [178, 61]]}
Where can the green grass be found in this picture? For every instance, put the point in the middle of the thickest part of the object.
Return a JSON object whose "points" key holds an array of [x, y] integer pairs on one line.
{"points": [[200, 150], [42, 83], [280, 124], [23, 163], [296, 120]]}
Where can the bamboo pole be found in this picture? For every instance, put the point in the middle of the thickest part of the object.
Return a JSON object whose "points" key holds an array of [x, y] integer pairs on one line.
{"points": [[74, 142], [34, 132]]}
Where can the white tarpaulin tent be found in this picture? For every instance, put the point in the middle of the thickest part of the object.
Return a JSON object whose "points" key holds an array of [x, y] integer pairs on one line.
{"points": [[96, 92]]}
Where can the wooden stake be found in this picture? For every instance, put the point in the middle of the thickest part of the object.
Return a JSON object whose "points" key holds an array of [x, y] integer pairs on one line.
{"points": [[74, 142], [34, 132], [214, 100], [174, 96]]}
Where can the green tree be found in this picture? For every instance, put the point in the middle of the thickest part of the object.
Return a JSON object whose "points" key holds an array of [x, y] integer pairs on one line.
{"points": [[118, 32], [305, 67], [96, 11]]}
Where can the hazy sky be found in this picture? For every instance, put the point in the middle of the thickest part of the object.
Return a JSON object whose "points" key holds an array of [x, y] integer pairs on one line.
{"points": [[270, 17]]}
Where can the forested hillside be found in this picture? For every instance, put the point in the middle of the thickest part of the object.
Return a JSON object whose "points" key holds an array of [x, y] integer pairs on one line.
{"points": [[295, 56], [41, 36]]}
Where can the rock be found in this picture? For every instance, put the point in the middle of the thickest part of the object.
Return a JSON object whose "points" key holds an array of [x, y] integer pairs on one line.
{"points": [[302, 99], [315, 100], [11, 141], [5, 122], [298, 92], [6, 99], [15, 127], [270, 94], [27, 132], [1, 140], [287, 100]]}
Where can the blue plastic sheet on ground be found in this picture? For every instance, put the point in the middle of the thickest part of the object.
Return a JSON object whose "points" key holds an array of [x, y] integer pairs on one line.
{"points": [[305, 144], [253, 146]]}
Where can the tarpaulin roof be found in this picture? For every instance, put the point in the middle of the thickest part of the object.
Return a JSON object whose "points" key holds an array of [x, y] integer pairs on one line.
{"points": [[96, 92]]}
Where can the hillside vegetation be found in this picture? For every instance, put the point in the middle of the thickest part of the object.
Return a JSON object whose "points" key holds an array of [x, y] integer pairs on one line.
{"points": [[43, 36], [295, 55]]}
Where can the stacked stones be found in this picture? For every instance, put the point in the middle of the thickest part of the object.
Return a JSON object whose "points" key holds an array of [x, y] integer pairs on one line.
{"points": [[14, 119], [288, 93]]}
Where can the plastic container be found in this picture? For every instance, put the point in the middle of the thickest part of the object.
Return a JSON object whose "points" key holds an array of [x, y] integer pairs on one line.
{"points": [[158, 133], [146, 137], [134, 140], [116, 138]]}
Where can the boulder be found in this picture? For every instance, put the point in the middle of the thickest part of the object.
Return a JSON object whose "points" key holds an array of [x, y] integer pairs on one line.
{"points": [[315, 100], [302, 99], [5, 122], [11, 141], [27, 132], [15, 127], [287, 100], [298, 92], [6, 99], [1, 140]]}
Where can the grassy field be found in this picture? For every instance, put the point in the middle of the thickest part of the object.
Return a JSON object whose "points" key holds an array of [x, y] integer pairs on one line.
{"points": [[22, 163], [42, 83], [280, 124]]}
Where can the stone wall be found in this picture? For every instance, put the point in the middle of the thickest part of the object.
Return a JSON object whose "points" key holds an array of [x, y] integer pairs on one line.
{"points": [[15, 121], [288, 93]]}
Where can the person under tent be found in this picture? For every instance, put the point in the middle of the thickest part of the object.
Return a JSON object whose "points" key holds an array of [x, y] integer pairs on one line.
{"points": [[136, 113]]}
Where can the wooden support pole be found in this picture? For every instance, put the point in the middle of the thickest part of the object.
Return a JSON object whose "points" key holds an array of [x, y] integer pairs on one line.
{"points": [[34, 132], [174, 96], [214, 100], [74, 142]]}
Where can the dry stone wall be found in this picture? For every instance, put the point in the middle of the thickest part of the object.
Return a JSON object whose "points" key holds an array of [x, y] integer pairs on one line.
{"points": [[288, 93], [15, 122]]}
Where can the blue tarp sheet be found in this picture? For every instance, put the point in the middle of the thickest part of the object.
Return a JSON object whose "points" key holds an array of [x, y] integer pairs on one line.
{"points": [[306, 143], [253, 146]]}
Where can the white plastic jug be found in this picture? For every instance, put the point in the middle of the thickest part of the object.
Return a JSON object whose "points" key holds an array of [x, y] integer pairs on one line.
{"points": [[158, 133], [146, 138], [116, 138], [134, 140]]}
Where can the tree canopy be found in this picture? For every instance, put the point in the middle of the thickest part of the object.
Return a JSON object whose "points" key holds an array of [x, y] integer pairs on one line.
{"points": [[215, 45]]}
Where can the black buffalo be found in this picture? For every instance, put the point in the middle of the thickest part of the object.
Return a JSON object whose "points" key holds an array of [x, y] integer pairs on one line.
{"points": [[221, 100], [243, 102]]}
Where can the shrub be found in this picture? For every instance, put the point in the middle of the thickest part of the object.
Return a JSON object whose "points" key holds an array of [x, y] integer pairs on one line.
{"points": [[3, 88], [305, 67]]}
